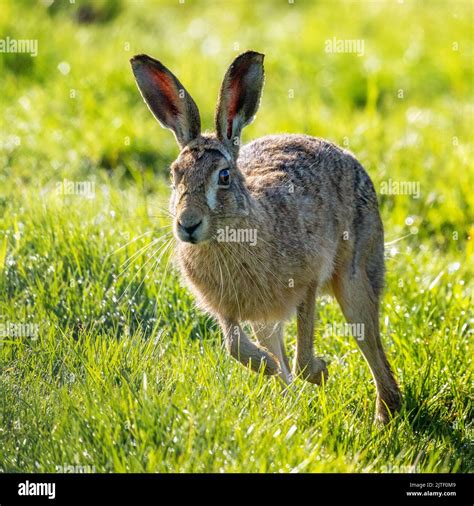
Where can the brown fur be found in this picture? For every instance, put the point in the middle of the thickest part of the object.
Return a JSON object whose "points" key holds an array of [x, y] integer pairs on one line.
{"points": [[315, 213]]}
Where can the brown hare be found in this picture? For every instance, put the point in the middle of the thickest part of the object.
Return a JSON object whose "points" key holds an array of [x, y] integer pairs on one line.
{"points": [[308, 206]]}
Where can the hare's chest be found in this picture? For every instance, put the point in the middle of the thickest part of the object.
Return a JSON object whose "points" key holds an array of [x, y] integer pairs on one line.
{"points": [[227, 285]]}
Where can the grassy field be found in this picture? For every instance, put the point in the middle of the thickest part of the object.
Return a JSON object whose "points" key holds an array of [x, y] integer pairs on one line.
{"points": [[105, 364]]}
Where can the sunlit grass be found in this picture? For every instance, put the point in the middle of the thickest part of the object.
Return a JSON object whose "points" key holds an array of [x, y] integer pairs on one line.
{"points": [[125, 373]]}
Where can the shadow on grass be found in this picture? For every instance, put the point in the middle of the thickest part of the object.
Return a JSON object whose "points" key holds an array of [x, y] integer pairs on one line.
{"points": [[437, 418]]}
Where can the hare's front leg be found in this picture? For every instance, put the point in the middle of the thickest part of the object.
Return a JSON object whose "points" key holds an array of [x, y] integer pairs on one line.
{"points": [[270, 336], [245, 351], [311, 368]]}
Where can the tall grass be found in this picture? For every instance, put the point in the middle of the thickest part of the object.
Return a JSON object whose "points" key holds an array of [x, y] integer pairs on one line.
{"points": [[125, 374]]}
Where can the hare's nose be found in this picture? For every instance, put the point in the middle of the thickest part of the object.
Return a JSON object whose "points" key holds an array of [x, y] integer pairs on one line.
{"points": [[189, 229]]}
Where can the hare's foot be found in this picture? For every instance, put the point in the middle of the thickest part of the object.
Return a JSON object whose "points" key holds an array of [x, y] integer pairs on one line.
{"points": [[261, 359], [309, 367], [388, 406], [270, 337], [285, 375], [247, 352], [314, 371]]}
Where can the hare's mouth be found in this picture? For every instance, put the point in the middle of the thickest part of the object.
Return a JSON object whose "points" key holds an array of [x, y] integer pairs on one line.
{"points": [[192, 233], [194, 241]]}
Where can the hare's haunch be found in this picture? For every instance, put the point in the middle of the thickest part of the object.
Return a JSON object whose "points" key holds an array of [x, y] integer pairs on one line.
{"points": [[263, 227]]}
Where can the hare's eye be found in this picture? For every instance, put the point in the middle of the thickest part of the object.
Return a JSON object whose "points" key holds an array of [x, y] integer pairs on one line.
{"points": [[224, 177]]}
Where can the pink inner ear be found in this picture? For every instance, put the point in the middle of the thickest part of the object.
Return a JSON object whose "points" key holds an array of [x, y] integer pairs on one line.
{"points": [[167, 88], [229, 128], [234, 93]]}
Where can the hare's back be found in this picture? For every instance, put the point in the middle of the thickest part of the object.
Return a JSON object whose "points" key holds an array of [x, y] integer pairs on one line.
{"points": [[307, 166], [295, 156]]}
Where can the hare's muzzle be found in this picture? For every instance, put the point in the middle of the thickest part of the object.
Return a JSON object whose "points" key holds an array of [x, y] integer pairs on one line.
{"points": [[190, 225], [187, 232]]}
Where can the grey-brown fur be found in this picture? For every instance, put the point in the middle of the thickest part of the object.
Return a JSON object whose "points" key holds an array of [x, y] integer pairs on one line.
{"points": [[318, 228]]}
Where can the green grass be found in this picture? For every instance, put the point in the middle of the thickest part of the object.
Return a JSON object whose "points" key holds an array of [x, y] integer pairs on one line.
{"points": [[126, 375]]}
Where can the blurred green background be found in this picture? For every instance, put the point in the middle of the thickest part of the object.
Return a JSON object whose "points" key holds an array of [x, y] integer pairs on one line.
{"points": [[125, 374], [423, 53]]}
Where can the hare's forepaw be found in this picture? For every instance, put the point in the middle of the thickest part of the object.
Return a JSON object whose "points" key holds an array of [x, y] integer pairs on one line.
{"points": [[314, 371], [262, 359], [270, 363]]}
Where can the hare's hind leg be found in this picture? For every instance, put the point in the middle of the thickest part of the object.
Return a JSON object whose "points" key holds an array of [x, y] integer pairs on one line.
{"points": [[245, 351], [359, 302], [270, 336], [311, 368]]}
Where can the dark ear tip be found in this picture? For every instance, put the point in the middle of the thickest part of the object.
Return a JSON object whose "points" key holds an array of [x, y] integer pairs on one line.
{"points": [[250, 56], [140, 59], [137, 60]]}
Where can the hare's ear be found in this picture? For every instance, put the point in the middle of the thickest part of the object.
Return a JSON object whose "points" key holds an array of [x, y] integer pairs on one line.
{"points": [[239, 98], [167, 99]]}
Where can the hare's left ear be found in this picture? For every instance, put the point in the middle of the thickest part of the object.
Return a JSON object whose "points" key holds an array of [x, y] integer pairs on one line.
{"points": [[239, 98], [167, 99]]}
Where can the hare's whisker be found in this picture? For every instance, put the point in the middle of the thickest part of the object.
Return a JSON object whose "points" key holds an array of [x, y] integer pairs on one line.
{"points": [[157, 261], [135, 275], [221, 288], [134, 239], [233, 286], [164, 210], [140, 269], [265, 267], [170, 242], [128, 261], [251, 278], [142, 250]]}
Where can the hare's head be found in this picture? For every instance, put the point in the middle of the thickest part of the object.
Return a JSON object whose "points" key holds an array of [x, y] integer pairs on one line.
{"points": [[208, 189]]}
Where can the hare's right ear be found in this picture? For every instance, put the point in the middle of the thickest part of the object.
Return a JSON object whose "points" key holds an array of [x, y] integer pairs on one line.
{"points": [[166, 98], [239, 98]]}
